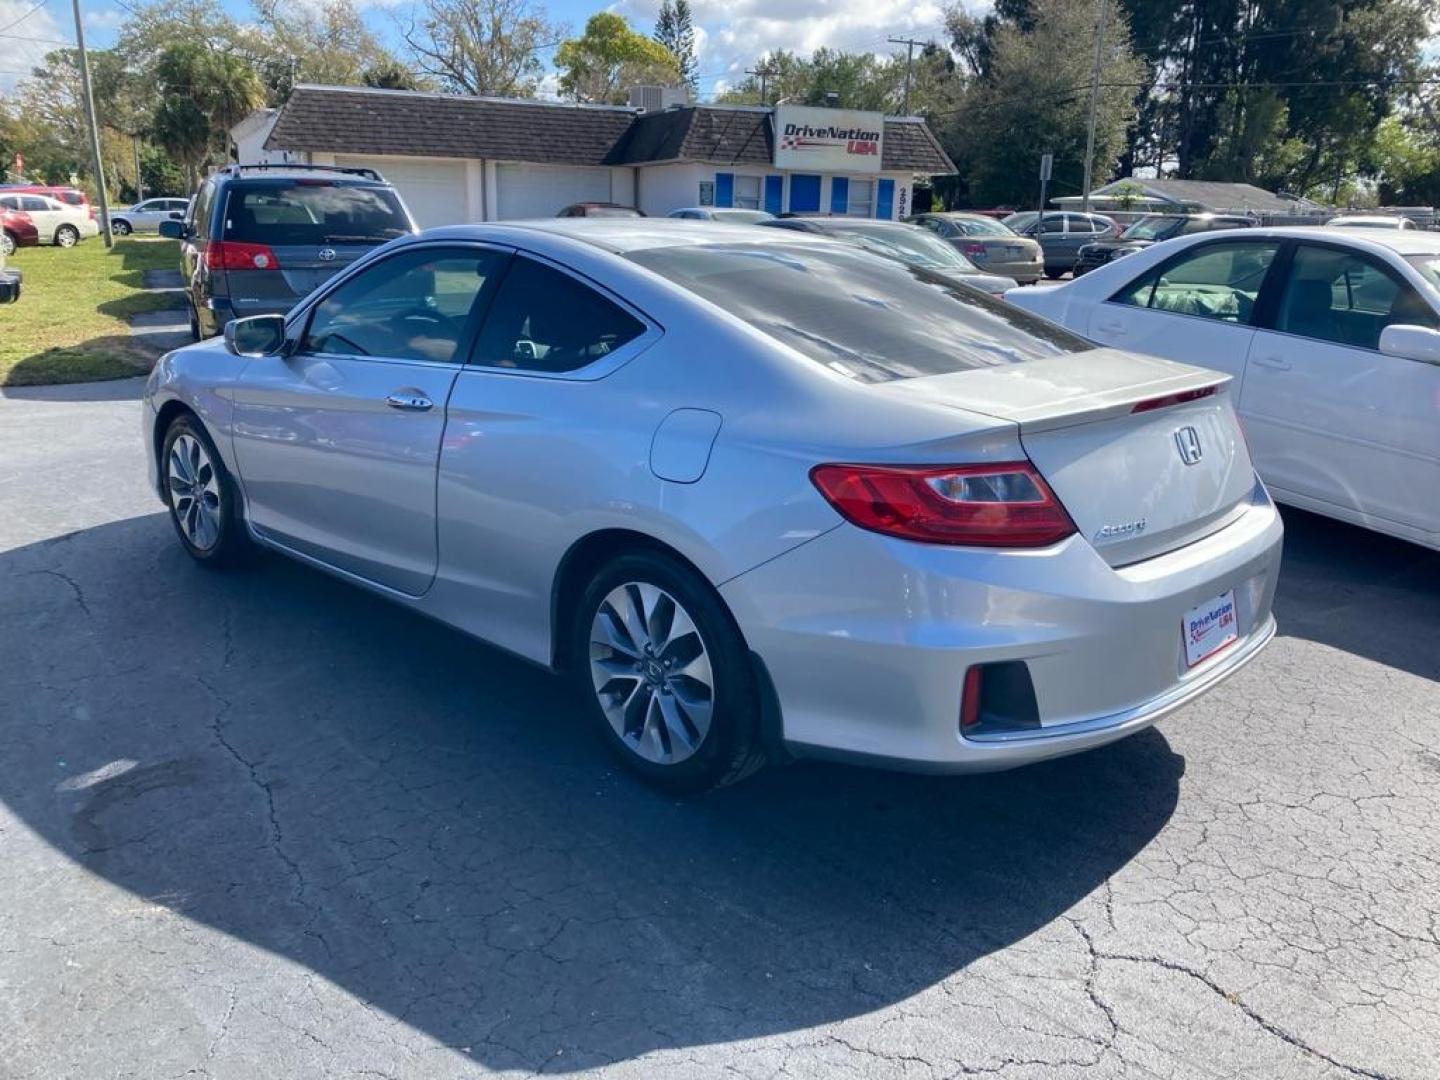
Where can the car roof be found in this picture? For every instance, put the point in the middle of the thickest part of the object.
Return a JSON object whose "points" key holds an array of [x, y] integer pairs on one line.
{"points": [[1400, 241], [622, 235], [261, 176]]}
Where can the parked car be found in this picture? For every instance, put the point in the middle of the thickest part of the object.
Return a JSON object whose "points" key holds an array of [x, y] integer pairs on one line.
{"points": [[753, 491], [599, 209], [258, 238], [1371, 221], [1152, 229], [734, 214], [1061, 235], [17, 230], [58, 223], [145, 217], [904, 243], [1333, 339], [10, 282], [991, 245], [70, 196]]}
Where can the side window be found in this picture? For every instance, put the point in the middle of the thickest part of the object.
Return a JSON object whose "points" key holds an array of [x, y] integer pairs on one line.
{"points": [[413, 306], [543, 320], [1346, 298], [10, 202], [150, 206], [928, 223], [1052, 225], [203, 202], [1213, 281], [35, 204]]}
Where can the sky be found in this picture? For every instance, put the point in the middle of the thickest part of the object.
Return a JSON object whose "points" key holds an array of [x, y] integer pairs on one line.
{"points": [[730, 34]]}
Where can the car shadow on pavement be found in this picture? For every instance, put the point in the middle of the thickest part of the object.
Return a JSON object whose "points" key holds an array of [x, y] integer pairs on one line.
{"points": [[1336, 577], [423, 820], [123, 389]]}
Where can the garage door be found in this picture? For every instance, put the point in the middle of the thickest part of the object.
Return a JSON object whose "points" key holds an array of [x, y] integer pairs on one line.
{"points": [[530, 191], [433, 190]]}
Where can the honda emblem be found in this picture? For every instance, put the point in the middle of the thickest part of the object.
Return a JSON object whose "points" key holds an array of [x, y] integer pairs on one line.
{"points": [[1187, 441], [327, 254]]}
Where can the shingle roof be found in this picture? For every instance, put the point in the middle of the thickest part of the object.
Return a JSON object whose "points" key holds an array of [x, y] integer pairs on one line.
{"points": [[1218, 196], [354, 120]]}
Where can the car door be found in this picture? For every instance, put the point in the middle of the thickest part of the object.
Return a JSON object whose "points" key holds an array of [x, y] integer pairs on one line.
{"points": [[518, 458], [1197, 306], [48, 215], [337, 443], [1330, 417], [193, 270], [146, 217], [1049, 233]]}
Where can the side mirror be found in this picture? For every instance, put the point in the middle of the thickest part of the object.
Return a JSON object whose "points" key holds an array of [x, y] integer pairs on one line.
{"points": [[177, 215], [1411, 343], [258, 335], [172, 229]]}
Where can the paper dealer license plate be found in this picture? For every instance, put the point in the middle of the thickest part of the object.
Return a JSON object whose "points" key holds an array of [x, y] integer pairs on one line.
{"points": [[1209, 627]]}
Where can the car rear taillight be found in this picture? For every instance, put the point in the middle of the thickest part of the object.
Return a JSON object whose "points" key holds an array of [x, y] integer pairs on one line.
{"points": [[1005, 505], [1181, 398], [970, 698], [233, 255], [973, 250]]}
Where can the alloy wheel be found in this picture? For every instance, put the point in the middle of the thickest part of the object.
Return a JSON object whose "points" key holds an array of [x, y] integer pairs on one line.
{"points": [[66, 236], [651, 673], [7, 243], [194, 492]]}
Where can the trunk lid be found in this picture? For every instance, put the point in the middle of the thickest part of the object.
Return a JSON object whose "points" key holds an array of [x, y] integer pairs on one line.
{"points": [[302, 270], [1136, 484]]}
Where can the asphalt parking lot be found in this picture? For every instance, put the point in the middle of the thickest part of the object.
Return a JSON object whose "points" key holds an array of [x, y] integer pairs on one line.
{"points": [[261, 824]]}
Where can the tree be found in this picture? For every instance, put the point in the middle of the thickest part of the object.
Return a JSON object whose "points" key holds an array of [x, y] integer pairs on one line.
{"points": [[1032, 97], [675, 30], [486, 47], [609, 58], [391, 75], [202, 95], [857, 80], [326, 43]]}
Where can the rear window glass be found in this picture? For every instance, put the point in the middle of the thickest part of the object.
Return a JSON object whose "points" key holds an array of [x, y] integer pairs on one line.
{"points": [[311, 213], [865, 317]]}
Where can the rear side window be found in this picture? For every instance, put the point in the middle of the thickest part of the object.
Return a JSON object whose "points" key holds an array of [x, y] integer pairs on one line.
{"points": [[203, 204], [309, 212], [544, 320], [1214, 281], [865, 317]]}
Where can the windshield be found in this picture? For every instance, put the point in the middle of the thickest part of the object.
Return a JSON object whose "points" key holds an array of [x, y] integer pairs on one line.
{"points": [[1021, 221], [981, 226], [611, 211], [1154, 227], [744, 217], [867, 318], [912, 245], [310, 212], [1429, 267]]}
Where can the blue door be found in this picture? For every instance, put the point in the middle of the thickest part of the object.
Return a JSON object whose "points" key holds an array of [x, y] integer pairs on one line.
{"points": [[774, 193], [885, 199], [839, 195], [724, 189], [804, 194]]}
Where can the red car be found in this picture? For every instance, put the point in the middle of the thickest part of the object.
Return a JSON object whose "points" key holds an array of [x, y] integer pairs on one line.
{"points": [[17, 229]]}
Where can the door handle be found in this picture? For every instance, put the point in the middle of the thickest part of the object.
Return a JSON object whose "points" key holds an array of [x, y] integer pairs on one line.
{"points": [[1116, 328], [410, 400], [1271, 360]]}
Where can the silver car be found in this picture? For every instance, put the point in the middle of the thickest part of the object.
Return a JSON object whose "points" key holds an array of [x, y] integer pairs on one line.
{"points": [[757, 494], [989, 244], [145, 217]]}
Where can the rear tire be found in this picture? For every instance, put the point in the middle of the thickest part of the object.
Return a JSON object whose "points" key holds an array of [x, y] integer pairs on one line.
{"points": [[121, 228], [8, 243], [67, 236], [665, 674], [1054, 274], [200, 494]]}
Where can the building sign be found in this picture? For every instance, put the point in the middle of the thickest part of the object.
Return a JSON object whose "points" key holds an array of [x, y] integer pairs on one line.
{"points": [[827, 140]]}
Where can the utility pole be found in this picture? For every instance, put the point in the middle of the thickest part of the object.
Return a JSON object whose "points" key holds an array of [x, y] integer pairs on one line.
{"points": [[763, 73], [1094, 104], [909, 44], [94, 128]]}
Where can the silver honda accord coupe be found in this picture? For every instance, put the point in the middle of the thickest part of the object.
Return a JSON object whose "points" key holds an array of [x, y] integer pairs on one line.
{"points": [[756, 493]]}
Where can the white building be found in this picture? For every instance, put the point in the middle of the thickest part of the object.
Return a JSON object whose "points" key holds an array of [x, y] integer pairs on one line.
{"points": [[247, 140], [459, 159]]}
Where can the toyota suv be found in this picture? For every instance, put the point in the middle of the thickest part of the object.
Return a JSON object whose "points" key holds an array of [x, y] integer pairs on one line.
{"points": [[257, 239]]}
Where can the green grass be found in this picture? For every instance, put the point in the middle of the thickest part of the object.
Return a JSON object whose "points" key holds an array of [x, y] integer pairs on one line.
{"points": [[72, 321]]}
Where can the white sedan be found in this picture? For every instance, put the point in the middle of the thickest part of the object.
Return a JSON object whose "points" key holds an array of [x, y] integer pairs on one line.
{"points": [[1333, 339], [58, 223]]}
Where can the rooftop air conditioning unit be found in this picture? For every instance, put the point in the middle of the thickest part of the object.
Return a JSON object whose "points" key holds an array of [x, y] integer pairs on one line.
{"points": [[658, 98]]}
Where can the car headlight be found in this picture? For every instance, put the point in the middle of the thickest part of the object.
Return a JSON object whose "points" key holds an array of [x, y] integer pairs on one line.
{"points": [[1123, 251]]}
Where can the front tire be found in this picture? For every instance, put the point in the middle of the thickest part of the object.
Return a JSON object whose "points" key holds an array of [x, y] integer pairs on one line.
{"points": [[8, 243], [67, 236], [665, 674], [200, 494], [121, 228]]}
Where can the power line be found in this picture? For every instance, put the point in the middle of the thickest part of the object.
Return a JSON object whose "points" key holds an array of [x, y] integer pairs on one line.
{"points": [[22, 18]]}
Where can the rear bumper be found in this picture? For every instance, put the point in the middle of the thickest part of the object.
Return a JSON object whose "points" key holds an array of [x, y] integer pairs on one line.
{"points": [[867, 639], [10, 286]]}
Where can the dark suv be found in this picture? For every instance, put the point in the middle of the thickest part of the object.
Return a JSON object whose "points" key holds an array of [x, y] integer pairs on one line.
{"points": [[1151, 229], [257, 238]]}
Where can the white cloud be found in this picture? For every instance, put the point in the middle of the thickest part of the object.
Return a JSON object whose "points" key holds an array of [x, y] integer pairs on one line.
{"points": [[102, 19], [19, 54]]}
